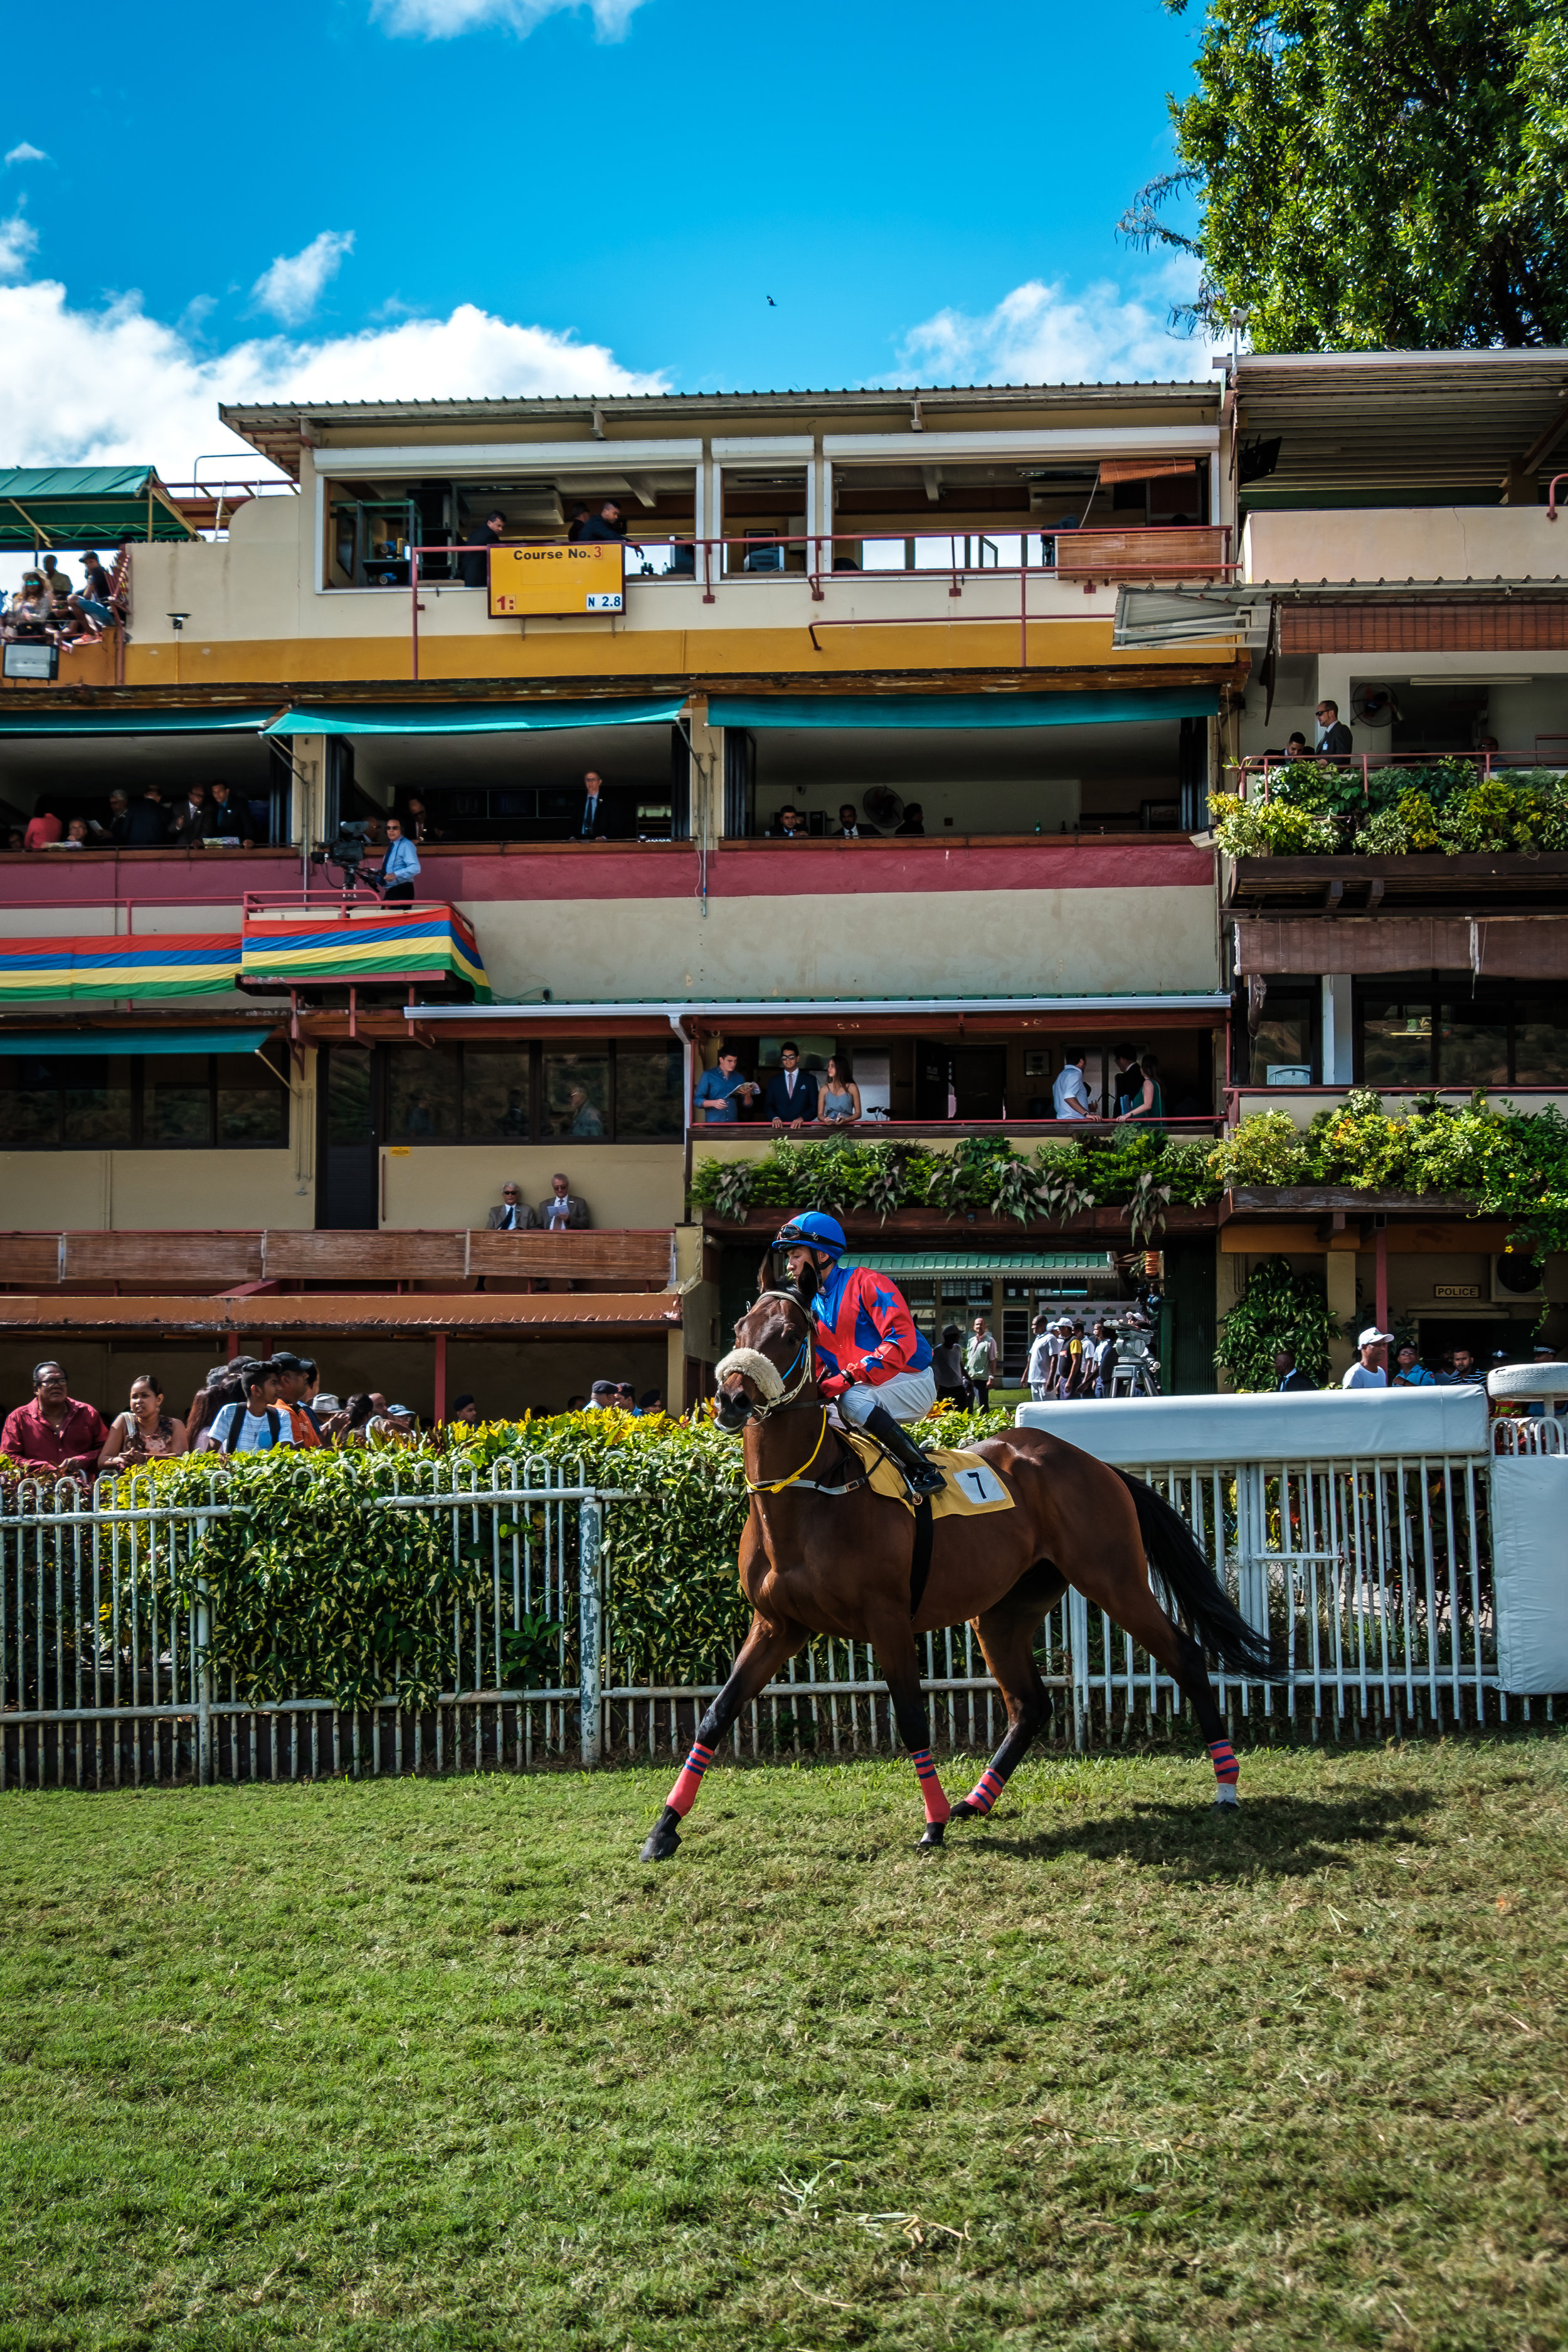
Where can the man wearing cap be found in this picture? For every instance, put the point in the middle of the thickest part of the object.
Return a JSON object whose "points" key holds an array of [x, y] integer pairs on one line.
{"points": [[872, 1361], [1372, 1370]]}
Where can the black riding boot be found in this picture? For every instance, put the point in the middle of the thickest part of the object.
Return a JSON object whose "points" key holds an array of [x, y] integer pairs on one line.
{"points": [[924, 1475]]}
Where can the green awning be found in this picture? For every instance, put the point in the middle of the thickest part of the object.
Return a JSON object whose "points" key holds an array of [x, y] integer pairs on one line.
{"points": [[86, 506], [963, 710], [915, 1263], [138, 722], [135, 1041], [473, 717]]}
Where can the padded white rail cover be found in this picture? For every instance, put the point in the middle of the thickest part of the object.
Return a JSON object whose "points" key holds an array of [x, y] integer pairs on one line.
{"points": [[1529, 1566], [1337, 1425]]}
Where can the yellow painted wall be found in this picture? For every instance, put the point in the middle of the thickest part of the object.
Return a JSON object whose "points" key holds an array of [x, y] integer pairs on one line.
{"points": [[444, 1187], [1432, 542], [990, 943], [153, 1192]]}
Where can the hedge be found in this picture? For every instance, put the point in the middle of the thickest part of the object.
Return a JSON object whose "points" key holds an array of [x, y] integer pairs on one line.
{"points": [[1316, 808]]}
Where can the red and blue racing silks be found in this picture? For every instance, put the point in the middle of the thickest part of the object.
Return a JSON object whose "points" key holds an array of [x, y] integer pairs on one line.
{"points": [[863, 1328]]}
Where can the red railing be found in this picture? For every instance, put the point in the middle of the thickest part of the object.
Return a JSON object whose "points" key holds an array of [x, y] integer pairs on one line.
{"points": [[1257, 767]]}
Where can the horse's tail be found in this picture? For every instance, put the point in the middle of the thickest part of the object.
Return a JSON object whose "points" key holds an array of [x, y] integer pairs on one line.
{"points": [[1201, 1601]]}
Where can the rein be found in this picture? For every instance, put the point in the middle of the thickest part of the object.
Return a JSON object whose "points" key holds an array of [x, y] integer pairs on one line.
{"points": [[780, 1391]]}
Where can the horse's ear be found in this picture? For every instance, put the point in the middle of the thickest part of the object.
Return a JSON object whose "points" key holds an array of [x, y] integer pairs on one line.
{"points": [[807, 1285], [764, 1263]]}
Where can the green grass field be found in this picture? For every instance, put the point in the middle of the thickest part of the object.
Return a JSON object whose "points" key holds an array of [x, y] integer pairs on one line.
{"points": [[442, 2064]]}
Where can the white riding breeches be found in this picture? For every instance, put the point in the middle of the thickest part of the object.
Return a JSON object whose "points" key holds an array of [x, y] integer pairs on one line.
{"points": [[907, 1396]]}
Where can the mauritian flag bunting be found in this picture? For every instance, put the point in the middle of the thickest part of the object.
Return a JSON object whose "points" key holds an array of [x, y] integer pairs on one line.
{"points": [[100, 969]]}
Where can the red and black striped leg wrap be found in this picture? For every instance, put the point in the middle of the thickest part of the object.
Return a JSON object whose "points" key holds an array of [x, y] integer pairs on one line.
{"points": [[1227, 1771], [936, 1804], [985, 1791], [683, 1796]]}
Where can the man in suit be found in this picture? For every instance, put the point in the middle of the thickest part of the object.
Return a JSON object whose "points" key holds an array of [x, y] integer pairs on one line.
{"points": [[1332, 737], [565, 1210], [791, 1097], [474, 568], [1287, 1380], [512, 1214], [594, 823]]}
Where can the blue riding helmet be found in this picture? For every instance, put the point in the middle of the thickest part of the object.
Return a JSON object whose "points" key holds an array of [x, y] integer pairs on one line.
{"points": [[813, 1231]]}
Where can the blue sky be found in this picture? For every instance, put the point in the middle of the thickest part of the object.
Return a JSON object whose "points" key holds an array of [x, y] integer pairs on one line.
{"points": [[494, 195]]}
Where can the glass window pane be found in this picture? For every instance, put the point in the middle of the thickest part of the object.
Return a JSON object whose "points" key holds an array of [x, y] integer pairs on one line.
{"points": [[1396, 1042], [1541, 1041], [177, 1099], [495, 1094], [252, 1101], [1283, 1044], [96, 1100], [349, 1106], [577, 1092], [648, 1090], [1472, 1045], [422, 1094], [29, 1095]]}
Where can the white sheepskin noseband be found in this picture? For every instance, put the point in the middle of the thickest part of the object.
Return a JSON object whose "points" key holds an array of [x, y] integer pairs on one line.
{"points": [[751, 1366]]}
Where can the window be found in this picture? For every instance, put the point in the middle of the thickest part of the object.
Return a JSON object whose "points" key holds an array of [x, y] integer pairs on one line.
{"points": [[148, 1102], [1443, 1031], [498, 1091], [576, 1095], [1281, 1047], [648, 1090], [423, 1093], [521, 1093]]}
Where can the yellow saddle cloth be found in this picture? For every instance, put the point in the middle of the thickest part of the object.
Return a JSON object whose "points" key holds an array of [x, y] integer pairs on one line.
{"points": [[972, 1486]]}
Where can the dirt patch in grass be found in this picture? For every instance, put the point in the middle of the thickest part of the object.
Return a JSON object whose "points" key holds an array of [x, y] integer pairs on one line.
{"points": [[442, 2064]]}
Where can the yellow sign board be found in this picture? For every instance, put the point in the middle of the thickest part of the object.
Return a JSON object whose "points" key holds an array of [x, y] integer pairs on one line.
{"points": [[556, 581]]}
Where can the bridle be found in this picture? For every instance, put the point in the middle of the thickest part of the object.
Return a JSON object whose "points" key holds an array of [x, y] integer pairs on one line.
{"points": [[779, 1390]]}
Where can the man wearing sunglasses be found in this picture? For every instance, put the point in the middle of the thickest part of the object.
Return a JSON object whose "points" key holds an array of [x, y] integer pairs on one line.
{"points": [[1333, 736]]}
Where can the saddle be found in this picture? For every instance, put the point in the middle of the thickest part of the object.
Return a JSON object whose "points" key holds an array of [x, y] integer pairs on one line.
{"points": [[971, 1486]]}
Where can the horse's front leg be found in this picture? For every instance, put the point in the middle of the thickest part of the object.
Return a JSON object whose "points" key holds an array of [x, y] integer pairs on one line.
{"points": [[899, 1657], [764, 1650]]}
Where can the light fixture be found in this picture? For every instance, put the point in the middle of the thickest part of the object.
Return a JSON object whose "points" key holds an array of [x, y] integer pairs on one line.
{"points": [[177, 621]]}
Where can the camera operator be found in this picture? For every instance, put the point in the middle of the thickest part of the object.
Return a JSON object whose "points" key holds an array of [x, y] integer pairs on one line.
{"points": [[401, 864]]}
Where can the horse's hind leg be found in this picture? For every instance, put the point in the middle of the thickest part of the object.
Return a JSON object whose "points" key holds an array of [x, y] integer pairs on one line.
{"points": [[762, 1654], [1007, 1639], [1123, 1591], [900, 1660]]}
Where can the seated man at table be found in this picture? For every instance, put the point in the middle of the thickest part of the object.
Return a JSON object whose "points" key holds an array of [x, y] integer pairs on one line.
{"points": [[565, 1210]]}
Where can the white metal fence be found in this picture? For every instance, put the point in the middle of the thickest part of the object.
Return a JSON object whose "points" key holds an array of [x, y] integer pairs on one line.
{"points": [[1374, 1578]]}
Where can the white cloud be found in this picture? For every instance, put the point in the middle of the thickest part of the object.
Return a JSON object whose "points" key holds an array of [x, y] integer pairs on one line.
{"points": [[292, 287], [18, 239], [27, 153], [125, 388], [443, 20], [1041, 335]]}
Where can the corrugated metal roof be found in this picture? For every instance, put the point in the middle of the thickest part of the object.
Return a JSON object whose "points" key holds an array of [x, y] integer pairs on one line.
{"points": [[916, 1263], [545, 1315], [85, 506]]}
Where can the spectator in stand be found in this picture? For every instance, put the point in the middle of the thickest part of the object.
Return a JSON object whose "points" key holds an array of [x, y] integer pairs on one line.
{"points": [[76, 835], [608, 524], [144, 1433], [565, 1210], [188, 824], [58, 585], [1463, 1372], [217, 1390], [947, 1368], [396, 1426], [838, 1097], [788, 826], [230, 816], [593, 822], [1127, 1085], [295, 1380], [1103, 1344], [577, 1403], [465, 1413], [30, 614], [1296, 747], [1412, 1372], [348, 1427], [96, 596], [720, 1088], [16, 841], [791, 1098], [512, 1214], [576, 529], [119, 814], [1332, 737], [474, 565], [400, 867], [1287, 1380], [43, 830], [651, 1404], [914, 821], [147, 821], [1070, 1094], [1148, 1102], [1075, 1362], [602, 1397], [260, 1423], [851, 827], [1037, 1371], [56, 1430], [416, 824], [980, 1362], [1370, 1369]]}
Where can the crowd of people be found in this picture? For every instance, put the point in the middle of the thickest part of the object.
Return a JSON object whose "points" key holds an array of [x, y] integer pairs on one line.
{"points": [[50, 609], [795, 1097], [203, 813], [1457, 1366]]}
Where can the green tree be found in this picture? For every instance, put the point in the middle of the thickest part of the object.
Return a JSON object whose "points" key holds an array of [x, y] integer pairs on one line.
{"points": [[1375, 173]]}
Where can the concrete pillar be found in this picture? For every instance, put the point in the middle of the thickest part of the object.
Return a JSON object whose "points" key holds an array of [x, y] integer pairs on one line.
{"points": [[1339, 1048]]}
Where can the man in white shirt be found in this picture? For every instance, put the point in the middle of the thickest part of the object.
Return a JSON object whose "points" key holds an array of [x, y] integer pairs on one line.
{"points": [[1372, 1370], [1070, 1094], [1039, 1374]]}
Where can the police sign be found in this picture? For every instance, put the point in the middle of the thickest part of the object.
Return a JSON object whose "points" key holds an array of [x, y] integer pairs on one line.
{"points": [[555, 582]]}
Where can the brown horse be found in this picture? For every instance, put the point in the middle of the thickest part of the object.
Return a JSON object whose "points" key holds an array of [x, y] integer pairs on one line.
{"points": [[821, 1553]]}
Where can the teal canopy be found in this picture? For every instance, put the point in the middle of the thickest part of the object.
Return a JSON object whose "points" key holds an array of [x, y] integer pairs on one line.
{"points": [[473, 717], [135, 1041], [86, 506], [963, 710], [138, 722]]}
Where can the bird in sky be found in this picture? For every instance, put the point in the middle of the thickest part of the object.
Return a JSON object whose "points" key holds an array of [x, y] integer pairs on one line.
{"points": [[771, 304]]}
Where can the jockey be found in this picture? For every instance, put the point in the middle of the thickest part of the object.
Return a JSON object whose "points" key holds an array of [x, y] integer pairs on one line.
{"points": [[871, 1360]]}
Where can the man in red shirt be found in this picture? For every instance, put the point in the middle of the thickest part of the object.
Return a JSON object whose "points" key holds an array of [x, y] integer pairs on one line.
{"points": [[56, 1432]]}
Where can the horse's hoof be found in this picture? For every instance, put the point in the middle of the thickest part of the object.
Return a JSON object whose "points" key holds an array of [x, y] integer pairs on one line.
{"points": [[661, 1844], [1230, 1803], [964, 1812], [931, 1837]]}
